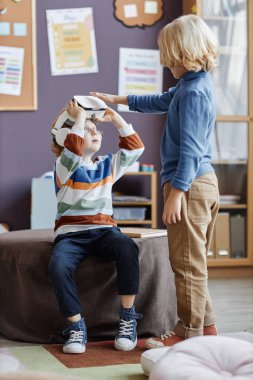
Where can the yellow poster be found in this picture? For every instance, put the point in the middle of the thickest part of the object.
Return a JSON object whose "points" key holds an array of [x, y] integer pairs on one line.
{"points": [[71, 38]]}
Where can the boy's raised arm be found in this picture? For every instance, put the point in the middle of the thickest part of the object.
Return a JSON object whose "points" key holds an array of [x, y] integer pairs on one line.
{"points": [[71, 156], [131, 146]]}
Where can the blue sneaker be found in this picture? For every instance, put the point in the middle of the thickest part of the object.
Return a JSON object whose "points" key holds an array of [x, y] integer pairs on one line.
{"points": [[77, 338], [126, 340]]}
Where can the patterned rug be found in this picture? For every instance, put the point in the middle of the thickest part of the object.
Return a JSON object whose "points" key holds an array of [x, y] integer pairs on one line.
{"points": [[40, 359], [97, 354], [89, 365]]}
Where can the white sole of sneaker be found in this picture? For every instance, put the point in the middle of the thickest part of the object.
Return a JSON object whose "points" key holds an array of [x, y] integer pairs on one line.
{"points": [[150, 346], [124, 348], [69, 350]]}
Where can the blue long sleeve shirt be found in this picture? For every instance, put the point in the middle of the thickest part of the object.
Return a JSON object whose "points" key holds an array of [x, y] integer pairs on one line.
{"points": [[185, 146]]}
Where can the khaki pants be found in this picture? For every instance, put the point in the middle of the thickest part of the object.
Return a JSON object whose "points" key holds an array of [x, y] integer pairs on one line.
{"points": [[189, 241]]}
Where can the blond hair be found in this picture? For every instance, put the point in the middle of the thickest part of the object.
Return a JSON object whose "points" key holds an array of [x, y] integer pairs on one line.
{"points": [[189, 42]]}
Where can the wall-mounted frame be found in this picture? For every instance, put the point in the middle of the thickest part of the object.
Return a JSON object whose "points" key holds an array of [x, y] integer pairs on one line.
{"points": [[18, 36]]}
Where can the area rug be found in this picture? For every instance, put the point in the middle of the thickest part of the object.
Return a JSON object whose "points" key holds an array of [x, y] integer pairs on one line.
{"points": [[39, 358], [97, 354]]}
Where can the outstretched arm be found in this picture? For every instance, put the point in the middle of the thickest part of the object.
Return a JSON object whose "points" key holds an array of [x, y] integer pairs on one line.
{"points": [[156, 103], [110, 99]]}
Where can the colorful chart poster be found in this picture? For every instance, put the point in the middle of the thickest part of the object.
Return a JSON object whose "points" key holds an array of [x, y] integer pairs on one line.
{"points": [[71, 39], [11, 70], [140, 73]]}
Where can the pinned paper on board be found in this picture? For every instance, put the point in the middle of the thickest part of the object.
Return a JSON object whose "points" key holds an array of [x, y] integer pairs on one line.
{"points": [[151, 7], [139, 13], [140, 73], [5, 29], [130, 10], [11, 70], [19, 29], [71, 38]]}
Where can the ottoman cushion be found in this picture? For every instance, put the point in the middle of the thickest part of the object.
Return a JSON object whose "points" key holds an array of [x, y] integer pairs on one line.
{"points": [[150, 357], [207, 357], [29, 310]]}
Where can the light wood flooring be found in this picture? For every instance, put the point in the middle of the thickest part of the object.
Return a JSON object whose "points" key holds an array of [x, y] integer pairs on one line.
{"points": [[233, 304]]}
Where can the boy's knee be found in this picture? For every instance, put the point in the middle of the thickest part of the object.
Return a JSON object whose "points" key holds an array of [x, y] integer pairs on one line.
{"points": [[57, 269], [129, 250]]}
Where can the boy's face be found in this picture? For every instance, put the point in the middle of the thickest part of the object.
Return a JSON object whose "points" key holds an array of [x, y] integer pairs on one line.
{"points": [[93, 137]]}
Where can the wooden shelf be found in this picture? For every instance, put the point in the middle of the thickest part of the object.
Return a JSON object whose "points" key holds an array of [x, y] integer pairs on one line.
{"points": [[140, 173], [151, 203], [229, 162], [148, 203], [233, 206], [229, 262], [233, 118], [128, 221]]}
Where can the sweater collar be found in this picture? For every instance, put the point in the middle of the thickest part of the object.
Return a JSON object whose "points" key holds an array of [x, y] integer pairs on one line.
{"points": [[189, 75]]}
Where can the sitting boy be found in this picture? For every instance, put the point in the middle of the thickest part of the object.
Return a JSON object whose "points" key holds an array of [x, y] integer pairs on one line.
{"points": [[84, 224]]}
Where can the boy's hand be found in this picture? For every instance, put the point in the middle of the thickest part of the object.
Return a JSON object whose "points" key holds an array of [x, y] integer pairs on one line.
{"points": [[75, 110], [111, 99], [172, 208], [111, 116]]}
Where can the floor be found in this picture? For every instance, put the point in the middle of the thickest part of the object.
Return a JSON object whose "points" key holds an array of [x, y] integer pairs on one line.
{"points": [[233, 304]]}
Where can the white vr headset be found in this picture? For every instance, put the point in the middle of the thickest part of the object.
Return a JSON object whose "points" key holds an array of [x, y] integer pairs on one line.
{"points": [[94, 107]]}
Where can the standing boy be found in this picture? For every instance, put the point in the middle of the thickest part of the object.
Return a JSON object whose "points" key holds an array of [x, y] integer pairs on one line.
{"points": [[189, 49]]}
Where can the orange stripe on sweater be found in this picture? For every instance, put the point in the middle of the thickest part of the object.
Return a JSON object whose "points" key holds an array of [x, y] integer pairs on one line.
{"points": [[58, 182], [100, 219], [88, 186], [131, 142]]}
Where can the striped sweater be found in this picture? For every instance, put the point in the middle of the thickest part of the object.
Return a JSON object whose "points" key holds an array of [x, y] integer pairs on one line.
{"points": [[84, 191]]}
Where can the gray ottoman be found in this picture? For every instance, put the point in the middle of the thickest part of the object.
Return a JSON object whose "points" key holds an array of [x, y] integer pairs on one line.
{"points": [[29, 310]]}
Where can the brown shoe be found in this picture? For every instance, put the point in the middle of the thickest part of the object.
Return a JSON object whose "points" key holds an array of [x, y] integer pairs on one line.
{"points": [[210, 330], [167, 339]]}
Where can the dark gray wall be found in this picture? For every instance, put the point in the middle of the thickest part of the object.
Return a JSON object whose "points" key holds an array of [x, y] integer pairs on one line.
{"points": [[24, 136]]}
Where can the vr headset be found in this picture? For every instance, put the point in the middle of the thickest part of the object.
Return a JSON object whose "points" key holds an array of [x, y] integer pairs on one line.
{"points": [[94, 107]]}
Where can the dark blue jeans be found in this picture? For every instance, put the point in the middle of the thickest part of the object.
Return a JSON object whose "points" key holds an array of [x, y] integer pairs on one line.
{"points": [[72, 248]]}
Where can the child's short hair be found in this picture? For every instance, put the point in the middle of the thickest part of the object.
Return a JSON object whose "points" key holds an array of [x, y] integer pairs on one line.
{"points": [[189, 42]]}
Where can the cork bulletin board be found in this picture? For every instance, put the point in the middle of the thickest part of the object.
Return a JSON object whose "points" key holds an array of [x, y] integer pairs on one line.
{"points": [[18, 74], [139, 13]]}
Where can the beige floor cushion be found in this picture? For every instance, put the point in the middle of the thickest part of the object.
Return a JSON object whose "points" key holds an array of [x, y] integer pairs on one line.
{"points": [[201, 358], [38, 375], [150, 357]]}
